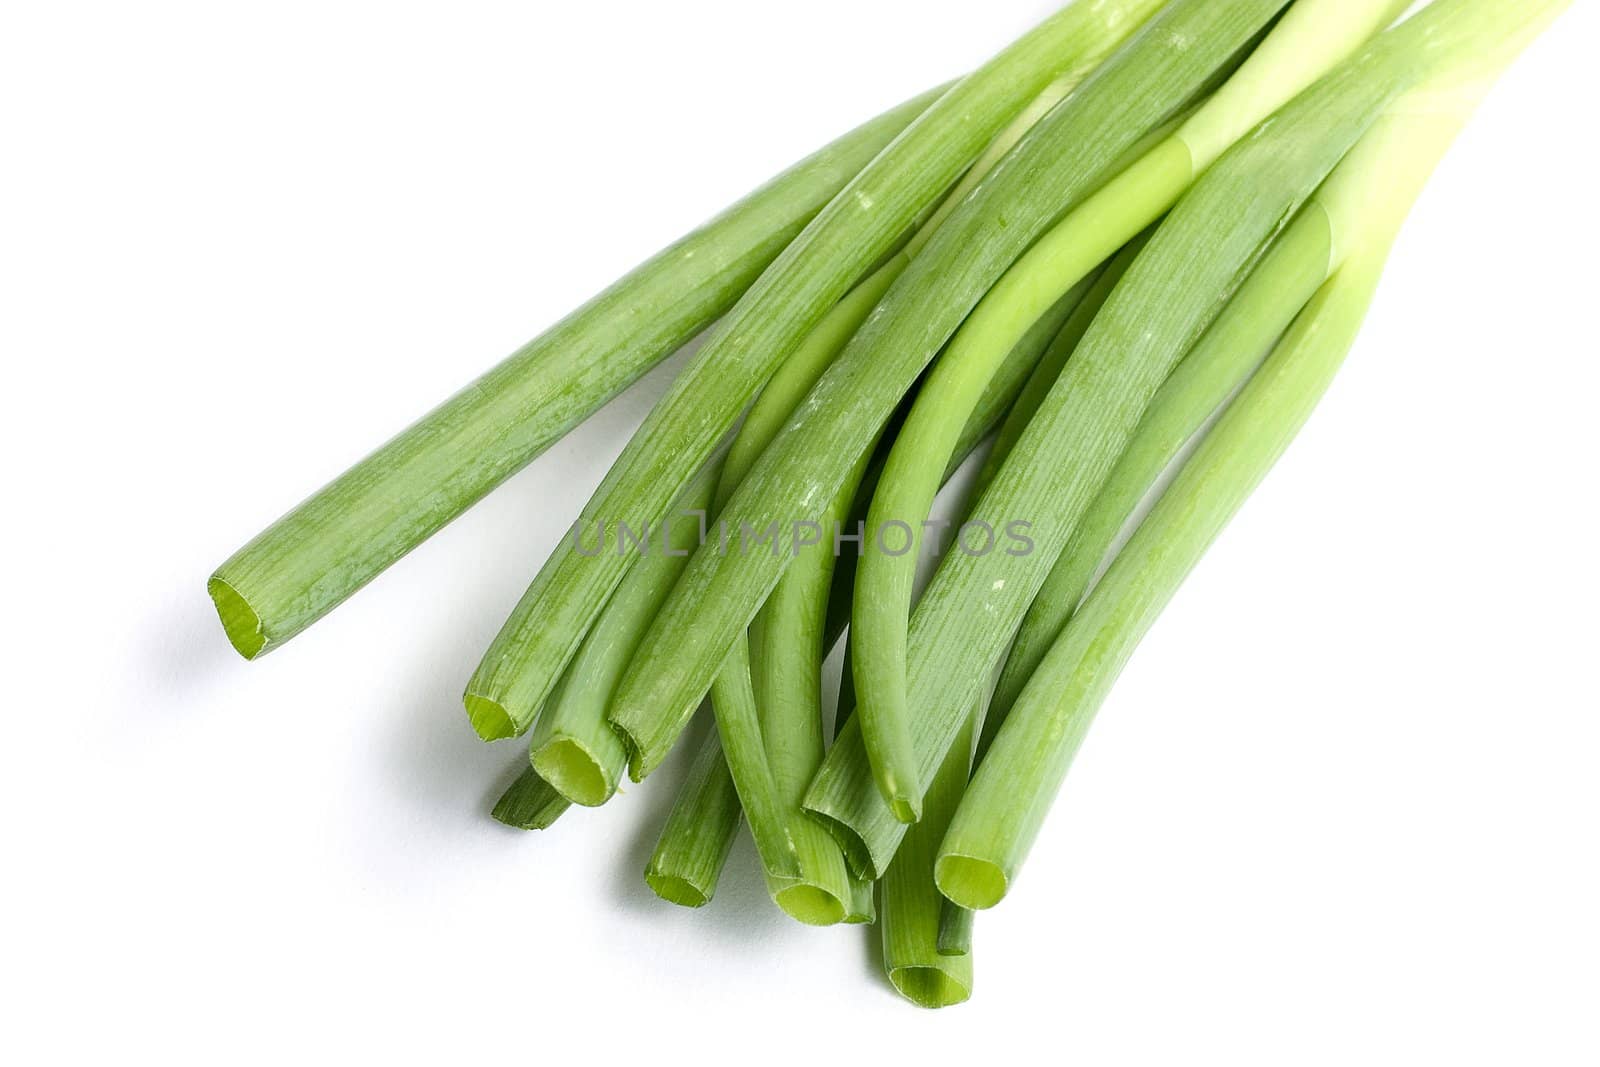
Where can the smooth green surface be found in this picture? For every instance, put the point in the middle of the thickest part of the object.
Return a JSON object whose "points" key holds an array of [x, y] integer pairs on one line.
{"points": [[530, 803], [348, 532], [1065, 156], [744, 745], [857, 229]]}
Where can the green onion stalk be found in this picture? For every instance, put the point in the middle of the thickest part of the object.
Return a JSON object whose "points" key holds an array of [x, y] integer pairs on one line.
{"points": [[1170, 295], [347, 533], [910, 905], [1311, 37], [531, 803], [699, 831], [574, 748], [682, 857], [1364, 204], [840, 247], [1065, 157]]}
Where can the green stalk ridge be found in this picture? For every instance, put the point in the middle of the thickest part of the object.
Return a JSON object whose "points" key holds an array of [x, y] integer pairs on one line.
{"points": [[313, 558], [1066, 156]]}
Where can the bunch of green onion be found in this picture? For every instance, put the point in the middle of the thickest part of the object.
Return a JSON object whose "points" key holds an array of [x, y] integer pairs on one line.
{"points": [[1129, 252]]}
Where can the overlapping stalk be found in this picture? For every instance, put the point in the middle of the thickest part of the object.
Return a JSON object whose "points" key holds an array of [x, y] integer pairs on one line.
{"points": [[1360, 209], [856, 230], [1292, 271], [1177, 285], [1312, 36], [1066, 156], [574, 747], [1174, 225], [822, 877]]}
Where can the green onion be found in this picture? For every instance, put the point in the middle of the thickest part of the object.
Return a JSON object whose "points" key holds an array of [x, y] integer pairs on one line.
{"points": [[1064, 156], [910, 907], [680, 859], [1313, 35], [788, 653], [531, 803], [694, 842], [1048, 369], [1167, 298], [1138, 243], [574, 747], [308, 562], [1294, 269], [833, 253], [1363, 206]]}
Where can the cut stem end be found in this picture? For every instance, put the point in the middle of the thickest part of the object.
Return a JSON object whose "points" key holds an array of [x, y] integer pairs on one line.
{"points": [[675, 890], [929, 987], [239, 620], [489, 718], [970, 882], [811, 905], [573, 771]]}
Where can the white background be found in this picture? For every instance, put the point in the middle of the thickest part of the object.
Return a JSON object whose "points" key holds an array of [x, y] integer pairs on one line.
{"points": [[1342, 808]]}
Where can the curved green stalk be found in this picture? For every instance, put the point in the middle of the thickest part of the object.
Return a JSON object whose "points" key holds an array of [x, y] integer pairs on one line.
{"points": [[1049, 368], [856, 230], [744, 745], [1311, 37], [1254, 319], [1167, 299], [530, 803], [1012, 789], [1067, 155], [686, 863], [1365, 204], [873, 687], [312, 559]]}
